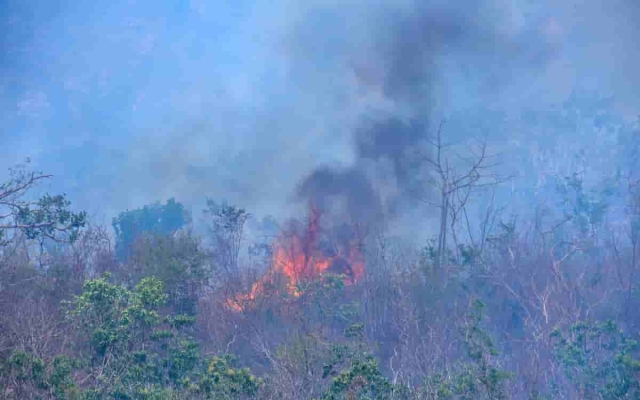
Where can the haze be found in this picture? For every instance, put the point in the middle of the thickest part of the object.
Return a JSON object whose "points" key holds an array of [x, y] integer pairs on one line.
{"points": [[320, 199]]}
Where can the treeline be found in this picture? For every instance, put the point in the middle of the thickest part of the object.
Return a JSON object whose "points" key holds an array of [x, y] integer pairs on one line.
{"points": [[544, 308]]}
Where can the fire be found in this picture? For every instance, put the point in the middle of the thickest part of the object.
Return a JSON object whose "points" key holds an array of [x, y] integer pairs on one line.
{"points": [[298, 258]]}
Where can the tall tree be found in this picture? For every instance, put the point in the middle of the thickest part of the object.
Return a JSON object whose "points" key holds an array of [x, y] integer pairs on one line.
{"points": [[46, 217], [227, 231], [456, 175], [155, 218]]}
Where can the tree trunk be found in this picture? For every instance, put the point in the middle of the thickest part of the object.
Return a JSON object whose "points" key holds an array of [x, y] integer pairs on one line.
{"points": [[442, 237]]}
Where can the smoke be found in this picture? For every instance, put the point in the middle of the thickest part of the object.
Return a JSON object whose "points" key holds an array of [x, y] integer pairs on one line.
{"points": [[406, 58], [346, 192], [138, 101]]}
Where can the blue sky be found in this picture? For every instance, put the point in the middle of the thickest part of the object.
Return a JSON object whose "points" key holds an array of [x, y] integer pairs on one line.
{"points": [[128, 102]]}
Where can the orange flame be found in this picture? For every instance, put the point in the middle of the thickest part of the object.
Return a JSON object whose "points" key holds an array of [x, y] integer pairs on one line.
{"points": [[298, 259]]}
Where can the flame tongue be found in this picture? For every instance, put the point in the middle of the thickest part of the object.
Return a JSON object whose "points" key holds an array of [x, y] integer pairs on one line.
{"points": [[298, 258]]}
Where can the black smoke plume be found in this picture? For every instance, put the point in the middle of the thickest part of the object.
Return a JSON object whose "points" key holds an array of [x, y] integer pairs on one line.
{"points": [[404, 62]]}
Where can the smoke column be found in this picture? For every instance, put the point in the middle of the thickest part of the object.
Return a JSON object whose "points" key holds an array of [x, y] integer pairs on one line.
{"points": [[404, 61]]}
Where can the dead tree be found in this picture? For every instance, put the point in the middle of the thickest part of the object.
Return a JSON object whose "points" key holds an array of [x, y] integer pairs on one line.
{"points": [[456, 177]]}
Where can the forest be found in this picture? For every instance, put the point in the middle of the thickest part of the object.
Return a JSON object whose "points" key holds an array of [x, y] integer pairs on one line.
{"points": [[498, 304], [320, 200]]}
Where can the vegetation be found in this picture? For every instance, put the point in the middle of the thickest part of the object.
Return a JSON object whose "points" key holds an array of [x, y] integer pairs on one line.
{"points": [[537, 305]]}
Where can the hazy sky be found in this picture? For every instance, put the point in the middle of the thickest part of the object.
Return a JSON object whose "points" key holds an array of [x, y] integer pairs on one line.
{"points": [[128, 102]]}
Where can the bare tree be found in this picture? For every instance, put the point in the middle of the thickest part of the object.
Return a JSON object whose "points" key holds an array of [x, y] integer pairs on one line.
{"points": [[456, 176]]}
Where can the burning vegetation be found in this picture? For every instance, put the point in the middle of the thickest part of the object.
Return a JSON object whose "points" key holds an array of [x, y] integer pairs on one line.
{"points": [[301, 255]]}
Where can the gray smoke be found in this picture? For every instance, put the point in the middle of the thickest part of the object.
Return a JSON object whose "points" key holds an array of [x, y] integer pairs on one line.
{"points": [[406, 61], [135, 102], [327, 188]]}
